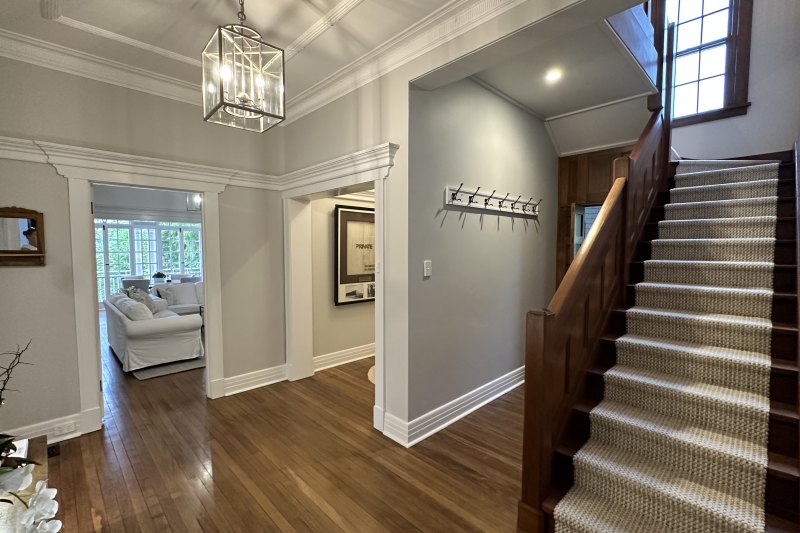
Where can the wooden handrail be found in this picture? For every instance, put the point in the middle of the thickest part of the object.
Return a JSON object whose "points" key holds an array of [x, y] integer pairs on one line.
{"points": [[561, 340]]}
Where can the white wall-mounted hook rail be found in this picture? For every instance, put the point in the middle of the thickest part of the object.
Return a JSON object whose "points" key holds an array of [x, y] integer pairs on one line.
{"points": [[468, 198]]}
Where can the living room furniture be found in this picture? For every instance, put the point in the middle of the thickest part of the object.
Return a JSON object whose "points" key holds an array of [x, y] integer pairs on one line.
{"points": [[191, 279], [142, 284], [182, 298], [140, 338]]}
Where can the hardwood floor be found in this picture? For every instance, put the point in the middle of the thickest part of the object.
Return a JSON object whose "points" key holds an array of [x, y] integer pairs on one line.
{"points": [[298, 456]]}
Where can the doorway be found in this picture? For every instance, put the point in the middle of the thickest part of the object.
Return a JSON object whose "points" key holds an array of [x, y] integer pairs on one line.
{"points": [[299, 209], [149, 268]]}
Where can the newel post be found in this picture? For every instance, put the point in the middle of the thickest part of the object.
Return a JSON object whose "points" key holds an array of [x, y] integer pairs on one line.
{"points": [[537, 439]]}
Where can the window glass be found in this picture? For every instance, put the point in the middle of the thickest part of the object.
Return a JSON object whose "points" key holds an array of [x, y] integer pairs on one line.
{"points": [[690, 9], [689, 34], [709, 6], [685, 100], [712, 61], [686, 68], [715, 27], [711, 94]]}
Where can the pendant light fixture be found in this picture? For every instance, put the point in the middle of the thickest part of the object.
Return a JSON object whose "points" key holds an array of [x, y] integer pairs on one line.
{"points": [[242, 78]]}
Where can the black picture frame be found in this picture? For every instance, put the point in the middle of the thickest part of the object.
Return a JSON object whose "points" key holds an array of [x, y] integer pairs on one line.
{"points": [[348, 287]]}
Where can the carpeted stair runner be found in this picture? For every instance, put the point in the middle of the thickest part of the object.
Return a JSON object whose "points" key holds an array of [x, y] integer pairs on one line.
{"points": [[679, 442]]}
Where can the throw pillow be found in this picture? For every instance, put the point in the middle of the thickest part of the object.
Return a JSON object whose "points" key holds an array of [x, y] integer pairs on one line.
{"points": [[179, 294], [134, 310], [141, 296]]}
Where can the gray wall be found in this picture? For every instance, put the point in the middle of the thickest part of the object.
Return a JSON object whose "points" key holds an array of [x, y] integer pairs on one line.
{"points": [[466, 322], [38, 303], [773, 121], [251, 234], [47, 105], [336, 328]]}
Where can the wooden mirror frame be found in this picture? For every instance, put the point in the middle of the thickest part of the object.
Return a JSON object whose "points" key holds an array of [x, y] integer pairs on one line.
{"points": [[24, 257]]}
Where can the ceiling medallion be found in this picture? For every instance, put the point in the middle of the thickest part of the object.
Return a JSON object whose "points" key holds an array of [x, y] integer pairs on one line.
{"points": [[243, 81]]}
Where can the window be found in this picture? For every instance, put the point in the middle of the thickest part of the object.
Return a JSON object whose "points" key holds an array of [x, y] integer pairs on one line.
{"points": [[134, 248], [712, 58]]}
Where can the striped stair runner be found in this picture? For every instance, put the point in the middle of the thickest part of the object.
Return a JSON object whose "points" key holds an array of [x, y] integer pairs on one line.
{"points": [[679, 442]]}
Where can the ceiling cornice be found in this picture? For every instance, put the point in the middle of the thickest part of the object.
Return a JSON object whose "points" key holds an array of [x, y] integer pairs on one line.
{"points": [[100, 32], [442, 26], [447, 23], [321, 26], [105, 166], [53, 56]]}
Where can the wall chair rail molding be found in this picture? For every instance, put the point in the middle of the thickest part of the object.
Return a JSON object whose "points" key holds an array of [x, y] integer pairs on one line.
{"points": [[484, 200]]}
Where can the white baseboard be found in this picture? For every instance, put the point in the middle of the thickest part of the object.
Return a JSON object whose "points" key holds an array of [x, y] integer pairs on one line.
{"points": [[253, 380], [377, 417], [321, 362], [63, 428], [410, 433]]}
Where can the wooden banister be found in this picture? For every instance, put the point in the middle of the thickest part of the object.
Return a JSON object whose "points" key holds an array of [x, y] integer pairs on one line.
{"points": [[561, 340]]}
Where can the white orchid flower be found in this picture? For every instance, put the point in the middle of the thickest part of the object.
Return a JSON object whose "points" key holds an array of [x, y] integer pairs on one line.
{"points": [[48, 526], [17, 479], [41, 506]]}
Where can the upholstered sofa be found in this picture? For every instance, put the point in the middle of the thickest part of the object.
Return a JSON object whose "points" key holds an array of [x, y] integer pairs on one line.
{"points": [[141, 338], [181, 298]]}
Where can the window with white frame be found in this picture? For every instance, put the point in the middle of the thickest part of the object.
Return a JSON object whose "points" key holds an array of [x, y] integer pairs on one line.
{"points": [[711, 60], [141, 248]]}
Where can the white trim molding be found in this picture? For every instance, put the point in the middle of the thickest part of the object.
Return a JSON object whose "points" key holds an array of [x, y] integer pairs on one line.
{"points": [[56, 57], [330, 360], [253, 380], [410, 433], [62, 428], [440, 27], [352, 169], [443, 25], [322, 25], [21, 150], [116, 167]]}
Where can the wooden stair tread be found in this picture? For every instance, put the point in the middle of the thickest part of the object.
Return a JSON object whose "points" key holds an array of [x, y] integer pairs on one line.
{"points": [[775, 524]]}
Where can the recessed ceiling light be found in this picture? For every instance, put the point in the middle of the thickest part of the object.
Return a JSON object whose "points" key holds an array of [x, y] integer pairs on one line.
{"points": [[553, 75]]}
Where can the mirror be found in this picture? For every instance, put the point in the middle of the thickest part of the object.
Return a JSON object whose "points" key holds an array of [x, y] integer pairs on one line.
{"points": [[21, 237]]}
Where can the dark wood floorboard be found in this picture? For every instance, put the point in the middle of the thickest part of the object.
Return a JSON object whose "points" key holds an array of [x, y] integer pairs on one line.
{"points": [[295, 456]]}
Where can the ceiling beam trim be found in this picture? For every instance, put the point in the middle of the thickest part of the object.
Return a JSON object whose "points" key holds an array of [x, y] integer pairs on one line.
{"points": [[321, 26], [442, 26], [56, 57], [100, 32]]}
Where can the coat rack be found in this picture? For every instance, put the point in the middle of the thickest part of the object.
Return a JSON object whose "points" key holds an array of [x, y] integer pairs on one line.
{"points": [[483, 200]]}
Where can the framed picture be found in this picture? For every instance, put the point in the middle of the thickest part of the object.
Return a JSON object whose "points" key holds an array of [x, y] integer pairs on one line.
{"points": [[354, 257]]}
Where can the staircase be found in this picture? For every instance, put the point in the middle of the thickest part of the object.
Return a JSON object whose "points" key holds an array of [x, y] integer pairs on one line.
{"points": [[687, 419]]}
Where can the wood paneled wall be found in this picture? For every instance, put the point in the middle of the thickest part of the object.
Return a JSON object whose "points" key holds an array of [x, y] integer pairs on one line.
{"points": [[583, 179]]}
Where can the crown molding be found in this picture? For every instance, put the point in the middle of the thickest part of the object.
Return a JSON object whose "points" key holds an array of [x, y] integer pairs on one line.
{"points": [[442, 26], [373, 160], [445, 24], [53, 56], [320, 26], [104, 166], [21, 150], [100, 32]]}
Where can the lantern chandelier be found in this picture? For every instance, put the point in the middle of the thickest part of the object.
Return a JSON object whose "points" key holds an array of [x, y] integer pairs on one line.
{"points": [[242, 78]]}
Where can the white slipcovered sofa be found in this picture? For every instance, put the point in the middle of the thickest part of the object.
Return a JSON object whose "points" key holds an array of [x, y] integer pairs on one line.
{"points": [[181, 298], [141, 338]]}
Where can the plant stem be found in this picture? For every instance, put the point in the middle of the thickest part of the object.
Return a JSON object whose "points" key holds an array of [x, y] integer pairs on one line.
{"points": [[14, 494]]}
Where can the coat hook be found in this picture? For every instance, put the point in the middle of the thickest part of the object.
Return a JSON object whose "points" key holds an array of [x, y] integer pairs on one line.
{"points": [[500, 205], [472, 197], [515, 202], [486, 202], [524, 207], [454, 196]]}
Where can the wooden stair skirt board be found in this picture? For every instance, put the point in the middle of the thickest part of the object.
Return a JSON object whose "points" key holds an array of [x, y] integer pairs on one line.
{"points": [[685, 417]]}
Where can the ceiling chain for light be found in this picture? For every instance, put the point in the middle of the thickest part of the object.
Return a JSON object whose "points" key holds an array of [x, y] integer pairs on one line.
{"points": [[240, 14]]}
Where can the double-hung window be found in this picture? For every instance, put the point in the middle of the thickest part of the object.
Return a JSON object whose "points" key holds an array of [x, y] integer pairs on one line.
{"points": [[712, 58]]}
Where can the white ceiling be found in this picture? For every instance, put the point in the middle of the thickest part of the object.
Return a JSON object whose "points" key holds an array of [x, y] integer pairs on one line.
{"points": [[182, 28], [585, 58]]}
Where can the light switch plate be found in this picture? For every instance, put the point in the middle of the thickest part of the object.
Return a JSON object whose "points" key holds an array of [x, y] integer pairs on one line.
{"points": [[427, 268]]}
